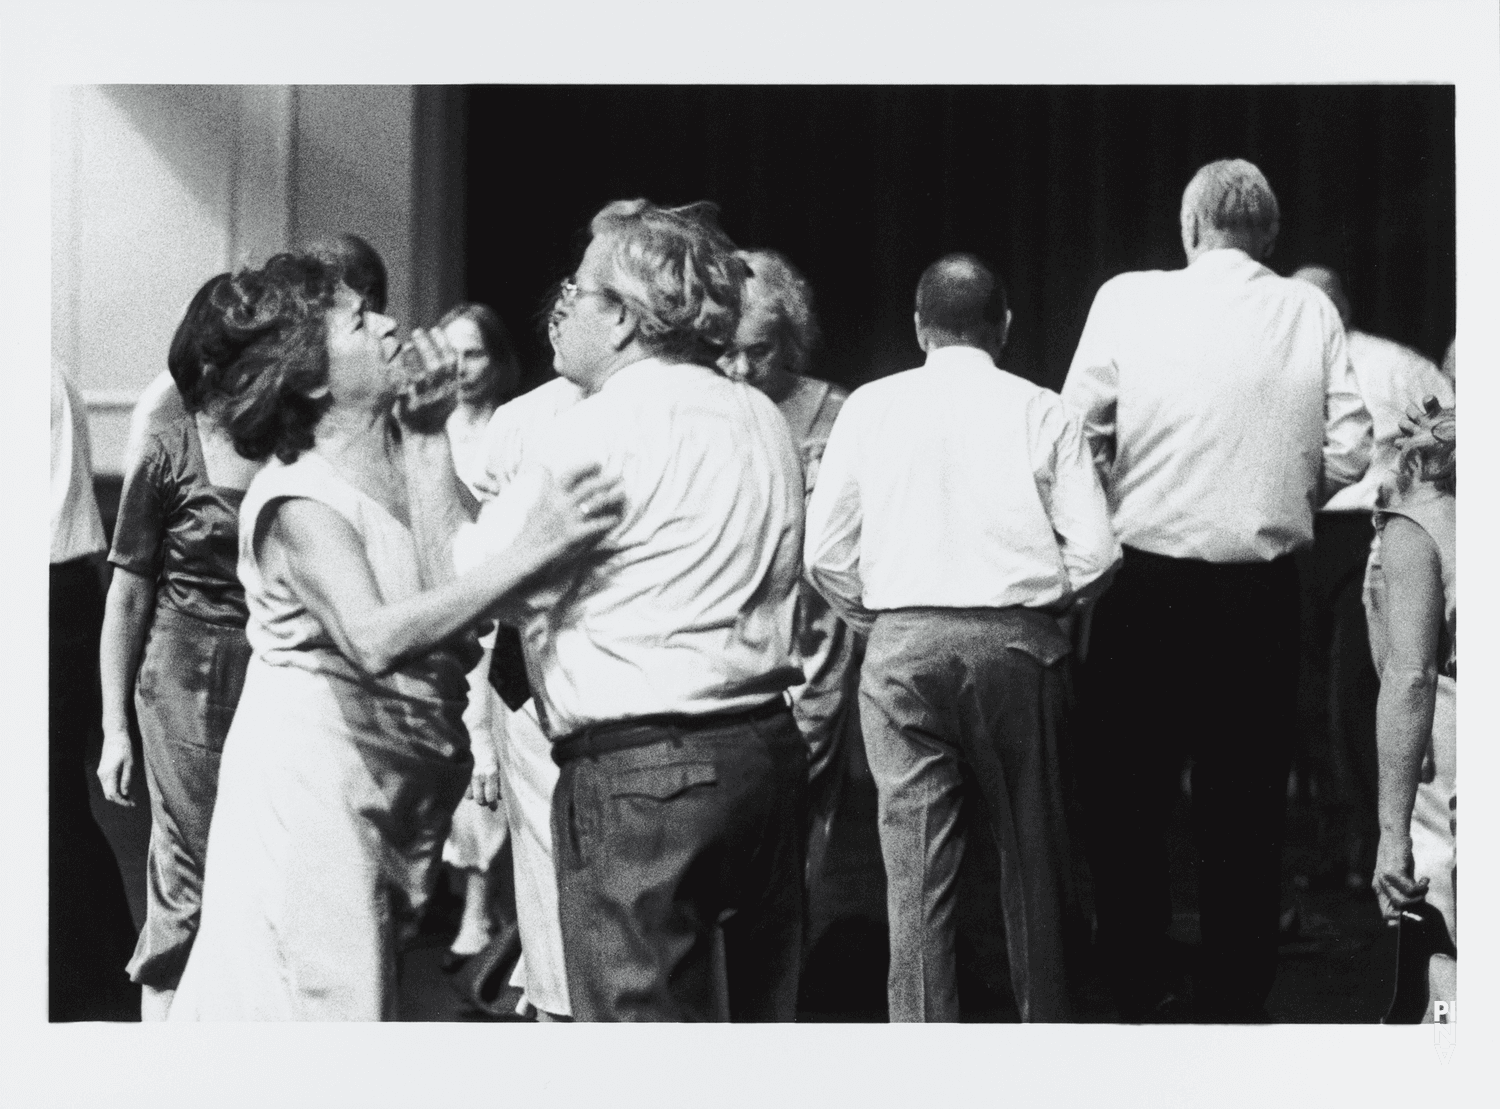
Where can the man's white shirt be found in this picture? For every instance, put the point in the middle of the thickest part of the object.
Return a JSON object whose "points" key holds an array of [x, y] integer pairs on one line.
{"points": [[1220, 406], [1391, 379], [76, 529], [955, 485], [686, 606]]}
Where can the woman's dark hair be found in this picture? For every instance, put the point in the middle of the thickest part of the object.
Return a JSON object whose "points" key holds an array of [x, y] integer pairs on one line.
{"points": [[505, 367], [277, 335], [198, 342], [357, 264]]}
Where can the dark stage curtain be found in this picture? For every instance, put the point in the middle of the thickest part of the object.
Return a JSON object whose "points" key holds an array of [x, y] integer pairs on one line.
{"points": [[1060, 187]]}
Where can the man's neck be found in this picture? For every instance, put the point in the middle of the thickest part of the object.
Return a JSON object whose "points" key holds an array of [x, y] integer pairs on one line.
{"points": [[1214, 242], [629, 356], [933, 346]]}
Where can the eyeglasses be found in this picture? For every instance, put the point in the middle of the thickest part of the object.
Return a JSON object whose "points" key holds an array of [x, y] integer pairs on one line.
{"points": [[569, 292]]}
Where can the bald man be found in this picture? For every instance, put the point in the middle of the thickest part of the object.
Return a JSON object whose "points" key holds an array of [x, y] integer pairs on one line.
{"points": [[955, 518], [1339, 686]]}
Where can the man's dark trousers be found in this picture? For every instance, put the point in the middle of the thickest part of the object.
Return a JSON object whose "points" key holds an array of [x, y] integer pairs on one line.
{"points": [[89, 931], [679, 854], [1338, 688], [1189, 659]]}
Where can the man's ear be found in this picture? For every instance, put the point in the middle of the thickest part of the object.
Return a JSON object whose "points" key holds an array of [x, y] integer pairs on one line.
{"points": [[624, 327], [916, 319]]}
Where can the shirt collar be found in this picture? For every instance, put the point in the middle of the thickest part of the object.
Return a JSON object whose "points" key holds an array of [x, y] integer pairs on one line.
{"points": [[959, 356], [631, 370], [1223, 256]]}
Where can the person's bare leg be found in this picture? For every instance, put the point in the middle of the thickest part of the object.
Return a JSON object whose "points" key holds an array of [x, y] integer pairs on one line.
{"points": [[155, 1003], [477, 926]]}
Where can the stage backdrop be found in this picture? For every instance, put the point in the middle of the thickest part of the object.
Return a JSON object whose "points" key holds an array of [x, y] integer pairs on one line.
{"points": [[1060, 187]]}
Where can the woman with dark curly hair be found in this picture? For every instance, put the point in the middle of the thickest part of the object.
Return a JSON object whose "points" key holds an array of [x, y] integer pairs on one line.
{"points": [[347, 754], [1411, 595], [174, 637]]}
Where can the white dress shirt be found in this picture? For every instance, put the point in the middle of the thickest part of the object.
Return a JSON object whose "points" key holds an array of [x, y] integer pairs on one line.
{"points": [[1217, 399], [686, 605], [521, 426], [1391, 378], [955, 485], [76, 528]]}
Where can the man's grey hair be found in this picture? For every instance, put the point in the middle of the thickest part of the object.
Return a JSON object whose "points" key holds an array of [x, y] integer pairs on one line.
{"points": [[1233, 197], [677, 271]]}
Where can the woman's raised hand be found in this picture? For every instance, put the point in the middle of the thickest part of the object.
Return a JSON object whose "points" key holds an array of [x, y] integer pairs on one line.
{"points": [[1421, 419], [431, 391]]}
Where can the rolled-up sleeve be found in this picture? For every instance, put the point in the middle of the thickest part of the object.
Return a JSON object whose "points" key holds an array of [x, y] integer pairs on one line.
{"points": [[834, 518], [1092, 386], [1071, 493]]}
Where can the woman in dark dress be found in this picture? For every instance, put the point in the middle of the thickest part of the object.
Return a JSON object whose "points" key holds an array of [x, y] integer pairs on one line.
{"points": [[174, 636]]}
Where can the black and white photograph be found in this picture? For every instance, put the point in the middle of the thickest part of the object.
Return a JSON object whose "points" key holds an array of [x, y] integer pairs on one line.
{"points": [[657, 528]]}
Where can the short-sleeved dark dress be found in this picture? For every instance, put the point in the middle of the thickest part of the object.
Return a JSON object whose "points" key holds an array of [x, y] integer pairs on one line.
{"points": [[181, 531]]}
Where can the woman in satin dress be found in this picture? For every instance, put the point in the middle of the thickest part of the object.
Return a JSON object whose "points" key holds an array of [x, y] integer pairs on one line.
{"points": [[174, 638]]}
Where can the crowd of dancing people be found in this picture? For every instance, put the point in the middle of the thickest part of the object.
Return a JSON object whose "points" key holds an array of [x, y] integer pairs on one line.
{"points": [[376, 610]]}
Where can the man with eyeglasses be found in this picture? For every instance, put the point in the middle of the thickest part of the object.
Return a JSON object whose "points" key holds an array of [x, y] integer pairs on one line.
{"points": [[660, 658]]}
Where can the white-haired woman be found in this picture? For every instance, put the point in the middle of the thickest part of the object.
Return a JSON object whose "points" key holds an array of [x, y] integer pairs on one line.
{"points": [[773, 345]]}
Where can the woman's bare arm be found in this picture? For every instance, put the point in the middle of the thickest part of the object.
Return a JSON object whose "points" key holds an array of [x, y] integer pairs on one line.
{"points": [[128, 608], [324, 560], [1408, 695], [438, 501], [436, 506]]}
